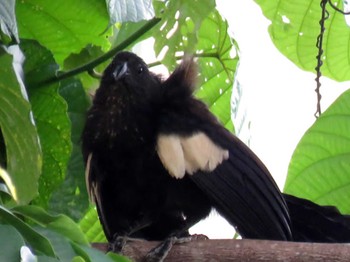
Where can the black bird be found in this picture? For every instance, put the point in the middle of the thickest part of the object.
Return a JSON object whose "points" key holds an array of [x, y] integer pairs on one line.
{"points": [[157, 162]]}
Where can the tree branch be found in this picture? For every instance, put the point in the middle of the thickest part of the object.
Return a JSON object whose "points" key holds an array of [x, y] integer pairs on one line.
{"points": [[92, 64], [241, 250]]}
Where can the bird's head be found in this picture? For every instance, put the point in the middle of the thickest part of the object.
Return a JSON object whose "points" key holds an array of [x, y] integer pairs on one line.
{"points": [[128, 74]]}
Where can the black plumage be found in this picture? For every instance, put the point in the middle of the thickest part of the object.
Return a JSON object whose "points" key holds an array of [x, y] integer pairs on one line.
{"points": [[158, 161], [315, 223]]}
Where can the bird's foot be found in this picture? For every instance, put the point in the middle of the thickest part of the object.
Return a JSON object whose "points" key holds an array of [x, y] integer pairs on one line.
{"points": [[117, 244], [196, 237], [159, 253]]}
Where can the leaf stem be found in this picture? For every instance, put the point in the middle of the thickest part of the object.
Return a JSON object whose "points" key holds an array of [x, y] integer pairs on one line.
{"points": [[92, 64]]}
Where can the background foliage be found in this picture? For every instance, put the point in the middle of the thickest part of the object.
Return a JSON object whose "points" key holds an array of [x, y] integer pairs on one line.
{"points": [[319, 168], [47, 53]]}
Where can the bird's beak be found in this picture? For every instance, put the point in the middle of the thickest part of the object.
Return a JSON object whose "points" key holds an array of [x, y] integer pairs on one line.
{"points": [[120, 71]]}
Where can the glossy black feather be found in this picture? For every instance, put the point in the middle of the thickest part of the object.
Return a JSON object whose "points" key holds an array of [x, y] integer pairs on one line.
{"points": [[315, 223]]}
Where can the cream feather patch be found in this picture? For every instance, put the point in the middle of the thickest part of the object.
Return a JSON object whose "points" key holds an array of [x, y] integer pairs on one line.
{"points": [[189, 154], [90, 188]]}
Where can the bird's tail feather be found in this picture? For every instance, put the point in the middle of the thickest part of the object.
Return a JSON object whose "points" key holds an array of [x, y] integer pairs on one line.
{"points": [[315, 223]]}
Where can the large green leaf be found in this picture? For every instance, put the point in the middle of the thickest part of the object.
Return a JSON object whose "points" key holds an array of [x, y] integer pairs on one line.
{"points": [[128, 29], [92, 254], [11, 244], [50, 113], [132, 10], [62, 246], [178, 29], [92, 57], [2, 150], [20, 135], [65, 26], [58, 223], [320, 166], [86, 55], [62, 234], [71, 197], [218, 59], [294, 30], [38, 242], [90, 225], [204, 32]]}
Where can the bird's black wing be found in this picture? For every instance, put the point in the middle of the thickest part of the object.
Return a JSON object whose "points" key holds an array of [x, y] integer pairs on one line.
{"points": [[93, 188], [192, 143], [244, 192], [230, 174]]}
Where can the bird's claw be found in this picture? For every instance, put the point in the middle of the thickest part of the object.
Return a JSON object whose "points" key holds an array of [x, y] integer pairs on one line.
{"points": [[159, 253], [117, 244]]}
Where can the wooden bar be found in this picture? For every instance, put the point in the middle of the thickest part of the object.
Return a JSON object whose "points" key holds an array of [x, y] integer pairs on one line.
{"points": [[241, 250]]}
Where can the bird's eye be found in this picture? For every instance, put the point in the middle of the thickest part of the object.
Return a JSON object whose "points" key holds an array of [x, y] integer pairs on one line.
{"points": [[140, 70]]}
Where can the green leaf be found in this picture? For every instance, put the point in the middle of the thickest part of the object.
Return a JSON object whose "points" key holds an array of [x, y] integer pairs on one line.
{"points": [[65, 26], [88, 54], [91, 254], [218, 60], [58, 223], [21, 138], [117, 258], [90, 225], [125, 11], [294, 30], [78, 259], [71, 197], [125, 37], [127, 29], [320, 166], [2, 150], [10, 243], [62, 246], [46, 259], [38, 242], [54, 130], [50, 113], [8, 24], [178, 29]]}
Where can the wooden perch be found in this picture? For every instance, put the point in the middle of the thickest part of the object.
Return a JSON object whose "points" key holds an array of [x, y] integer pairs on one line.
{"points": [[241, 250]]}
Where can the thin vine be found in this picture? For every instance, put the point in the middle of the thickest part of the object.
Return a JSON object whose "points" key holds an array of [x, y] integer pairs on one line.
{"points": [[319, 45]]}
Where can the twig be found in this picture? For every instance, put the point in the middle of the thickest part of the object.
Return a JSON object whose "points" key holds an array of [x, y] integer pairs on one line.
{"points": [[92, 64]]}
